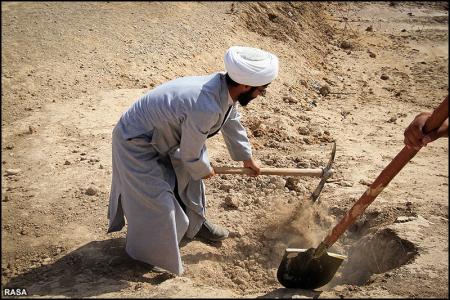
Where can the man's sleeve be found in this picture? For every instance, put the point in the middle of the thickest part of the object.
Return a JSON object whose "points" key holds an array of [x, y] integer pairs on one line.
{"points": [[235, 137], [194, 131]]}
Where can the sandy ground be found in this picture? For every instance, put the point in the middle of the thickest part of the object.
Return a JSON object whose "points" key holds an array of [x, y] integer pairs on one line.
{"points": [[70, 69]]}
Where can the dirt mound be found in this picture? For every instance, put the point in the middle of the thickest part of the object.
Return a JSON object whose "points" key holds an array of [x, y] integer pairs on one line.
{"points": [[301, 23]]}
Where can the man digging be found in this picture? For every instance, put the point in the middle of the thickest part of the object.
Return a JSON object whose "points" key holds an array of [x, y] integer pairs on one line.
{"points": [[159, 157]]}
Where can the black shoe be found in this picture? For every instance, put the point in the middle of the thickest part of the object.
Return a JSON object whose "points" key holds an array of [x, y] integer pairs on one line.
{"points": [[212, 232]]}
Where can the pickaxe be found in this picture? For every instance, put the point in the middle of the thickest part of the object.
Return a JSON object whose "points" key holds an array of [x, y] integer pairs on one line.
{"points": [[324, 173]]}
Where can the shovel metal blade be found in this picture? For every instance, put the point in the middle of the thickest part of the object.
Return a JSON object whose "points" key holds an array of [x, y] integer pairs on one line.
{"points": [[301, 270]]}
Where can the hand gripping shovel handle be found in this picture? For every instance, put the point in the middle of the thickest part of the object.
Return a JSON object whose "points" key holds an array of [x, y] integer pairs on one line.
{"points": [[390, 171]]}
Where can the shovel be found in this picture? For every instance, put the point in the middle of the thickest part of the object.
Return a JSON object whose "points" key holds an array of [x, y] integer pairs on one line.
{"points": [[313, 268]]}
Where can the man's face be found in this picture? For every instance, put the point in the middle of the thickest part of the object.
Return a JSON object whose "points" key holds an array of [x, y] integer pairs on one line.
{"points": [[245, 97]]}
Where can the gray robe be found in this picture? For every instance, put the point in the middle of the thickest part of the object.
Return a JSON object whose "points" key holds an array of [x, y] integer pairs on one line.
{"points": [[160, 139]]}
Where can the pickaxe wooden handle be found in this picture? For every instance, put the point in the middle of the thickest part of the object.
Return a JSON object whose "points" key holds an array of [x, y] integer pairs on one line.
{"points": [[272, 171], [323, 173]]}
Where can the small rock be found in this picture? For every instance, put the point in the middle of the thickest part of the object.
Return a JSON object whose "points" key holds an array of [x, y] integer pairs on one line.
{"points": [[299, 190], [339, 288], [393, 119], [369, 29], [345, 183], [324, 90], [365, 182], [330, 82], [31, 129], [231, 203], [138, 286], [10, 172], [384, 77], [240, 232], [290, 100], [303, 82], [326, 138], [91, 191], [258, 201], [67, 163], [303, 130], [301, 163], [278, 182], [271, 186], [308, 140], [404, 219], [345, 45], [226, 187], [291, 183]]}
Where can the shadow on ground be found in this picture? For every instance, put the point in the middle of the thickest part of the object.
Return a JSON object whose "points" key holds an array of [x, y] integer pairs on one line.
{"points": [[96, 268]]}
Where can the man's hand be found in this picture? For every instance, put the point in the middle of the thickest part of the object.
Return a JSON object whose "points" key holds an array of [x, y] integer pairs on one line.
{"points": [[250, 163], [210, 174], [414, 135]]}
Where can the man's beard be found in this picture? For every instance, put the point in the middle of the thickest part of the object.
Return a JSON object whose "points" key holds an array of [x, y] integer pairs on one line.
{"points": [[246, 97]]}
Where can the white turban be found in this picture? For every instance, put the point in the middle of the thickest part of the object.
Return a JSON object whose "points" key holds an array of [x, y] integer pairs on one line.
{"points": [[251, 66]]}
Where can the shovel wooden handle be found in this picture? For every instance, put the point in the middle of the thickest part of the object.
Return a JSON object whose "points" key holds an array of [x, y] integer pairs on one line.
{"points": [[270, 171], [390, 171]]}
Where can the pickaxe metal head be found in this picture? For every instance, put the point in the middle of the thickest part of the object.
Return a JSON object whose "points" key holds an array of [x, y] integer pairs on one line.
{"points": [[327, 172]]}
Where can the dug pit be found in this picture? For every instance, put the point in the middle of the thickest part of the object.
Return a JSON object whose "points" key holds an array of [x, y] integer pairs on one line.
{"points": [[375, 245], [375, 254]]}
